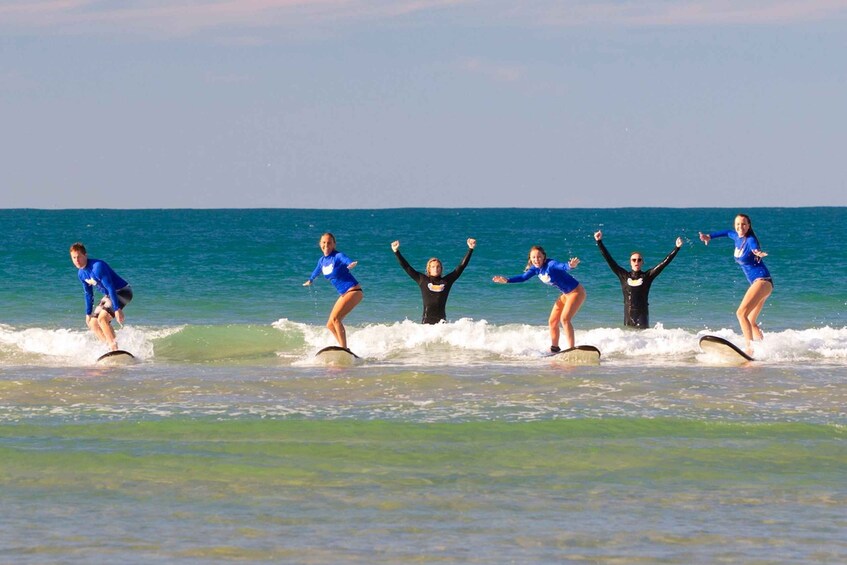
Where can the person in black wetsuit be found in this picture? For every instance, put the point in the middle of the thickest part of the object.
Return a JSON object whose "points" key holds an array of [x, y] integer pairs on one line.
{"points": [[434, 286], [635, 283]]}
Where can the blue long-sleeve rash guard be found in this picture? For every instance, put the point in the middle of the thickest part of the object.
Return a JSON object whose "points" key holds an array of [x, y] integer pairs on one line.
{"points": [[554, 273], [753, 267], [334, 269], [98, 273]]}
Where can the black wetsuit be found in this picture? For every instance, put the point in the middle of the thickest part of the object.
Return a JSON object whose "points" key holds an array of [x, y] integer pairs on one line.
{"points": [[434, 290], [635, 286]]}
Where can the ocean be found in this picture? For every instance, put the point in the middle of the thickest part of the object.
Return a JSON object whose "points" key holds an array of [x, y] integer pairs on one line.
{"points": [[455, 443]]}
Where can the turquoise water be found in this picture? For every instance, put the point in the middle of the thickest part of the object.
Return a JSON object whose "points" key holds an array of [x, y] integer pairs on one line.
{"points": [[450, 443], [246, 266]]}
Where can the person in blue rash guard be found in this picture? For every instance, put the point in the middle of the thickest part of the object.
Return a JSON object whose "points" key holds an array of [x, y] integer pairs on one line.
{"points": [[335, 267], [635, 282], [554, 273], [748, 255], [117, 294], [434, 287]]}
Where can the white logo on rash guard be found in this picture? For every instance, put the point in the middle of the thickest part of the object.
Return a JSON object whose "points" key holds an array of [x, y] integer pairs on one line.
{"points": [[634, 282], [435, 287], [544, 277], [92, 282], [327, 269]]}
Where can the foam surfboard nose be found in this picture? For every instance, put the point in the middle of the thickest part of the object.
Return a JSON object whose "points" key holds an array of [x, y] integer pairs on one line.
{"points": [[579, 355], [723, 349], [117, 358], [337, 356]]}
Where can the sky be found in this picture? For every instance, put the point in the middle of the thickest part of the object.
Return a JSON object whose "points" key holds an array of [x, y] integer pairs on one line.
{"points": [[422, 103]]}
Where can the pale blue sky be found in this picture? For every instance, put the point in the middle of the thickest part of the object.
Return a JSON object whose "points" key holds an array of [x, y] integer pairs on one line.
{"points": [[448, 103]]}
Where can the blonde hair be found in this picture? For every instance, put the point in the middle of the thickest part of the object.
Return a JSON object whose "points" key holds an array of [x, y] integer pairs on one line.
{"points": [[433, 260], [528, 255]]}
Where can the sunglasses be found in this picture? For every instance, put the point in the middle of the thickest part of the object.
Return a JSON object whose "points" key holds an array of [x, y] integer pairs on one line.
{"points": [[637, 260]]}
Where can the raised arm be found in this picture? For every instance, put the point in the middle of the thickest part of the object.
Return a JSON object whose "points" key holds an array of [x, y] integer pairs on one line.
{"points": [[654, 272], [464, 263], [617, 269], [395, 247]]}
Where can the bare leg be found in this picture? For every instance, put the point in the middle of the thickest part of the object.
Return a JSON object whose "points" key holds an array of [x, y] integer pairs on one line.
{"points": [[553, 321], [343, 306], [750, 308], [564, 309], [94, 326], [754, 316], [572, 303], [102, 328]]}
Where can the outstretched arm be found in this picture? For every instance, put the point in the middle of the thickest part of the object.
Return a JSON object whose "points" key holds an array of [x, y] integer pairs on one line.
{"points": [[523, 277], [707, 237], [314, 275]]}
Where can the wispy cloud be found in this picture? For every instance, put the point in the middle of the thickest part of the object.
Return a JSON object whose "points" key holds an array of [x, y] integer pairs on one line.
{"points": [[499, 72], [187, 17], [637, 13]]}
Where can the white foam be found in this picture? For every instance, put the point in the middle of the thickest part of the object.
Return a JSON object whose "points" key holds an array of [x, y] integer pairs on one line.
{"points": [[465, 341], [469, 340], [68, 347]]}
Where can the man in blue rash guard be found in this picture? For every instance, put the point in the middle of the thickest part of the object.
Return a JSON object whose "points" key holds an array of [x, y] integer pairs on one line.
{"points": [[434, 287], [335, 267], [749, 256], [117, 294], [635, 283], [554, 273]]}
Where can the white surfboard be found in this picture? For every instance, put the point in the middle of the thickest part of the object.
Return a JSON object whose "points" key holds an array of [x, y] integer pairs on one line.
{"points": [[723, 349], [579, 355], [117, 358], [337, 356]]}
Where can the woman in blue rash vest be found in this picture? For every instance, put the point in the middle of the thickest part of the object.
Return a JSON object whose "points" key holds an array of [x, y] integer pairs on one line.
{"points": [[434, 287], [635, 283], [555, 274], [335, 267], [749, 256], [116, 294]]}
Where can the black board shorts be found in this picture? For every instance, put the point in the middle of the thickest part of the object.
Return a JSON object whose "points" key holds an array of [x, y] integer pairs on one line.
{"points": [[124, 297]]}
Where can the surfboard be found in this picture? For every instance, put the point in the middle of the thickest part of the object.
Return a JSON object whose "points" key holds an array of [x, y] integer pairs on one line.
{"points": [[117, 358], [724, 349], [337, 356], [579, 355]]}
